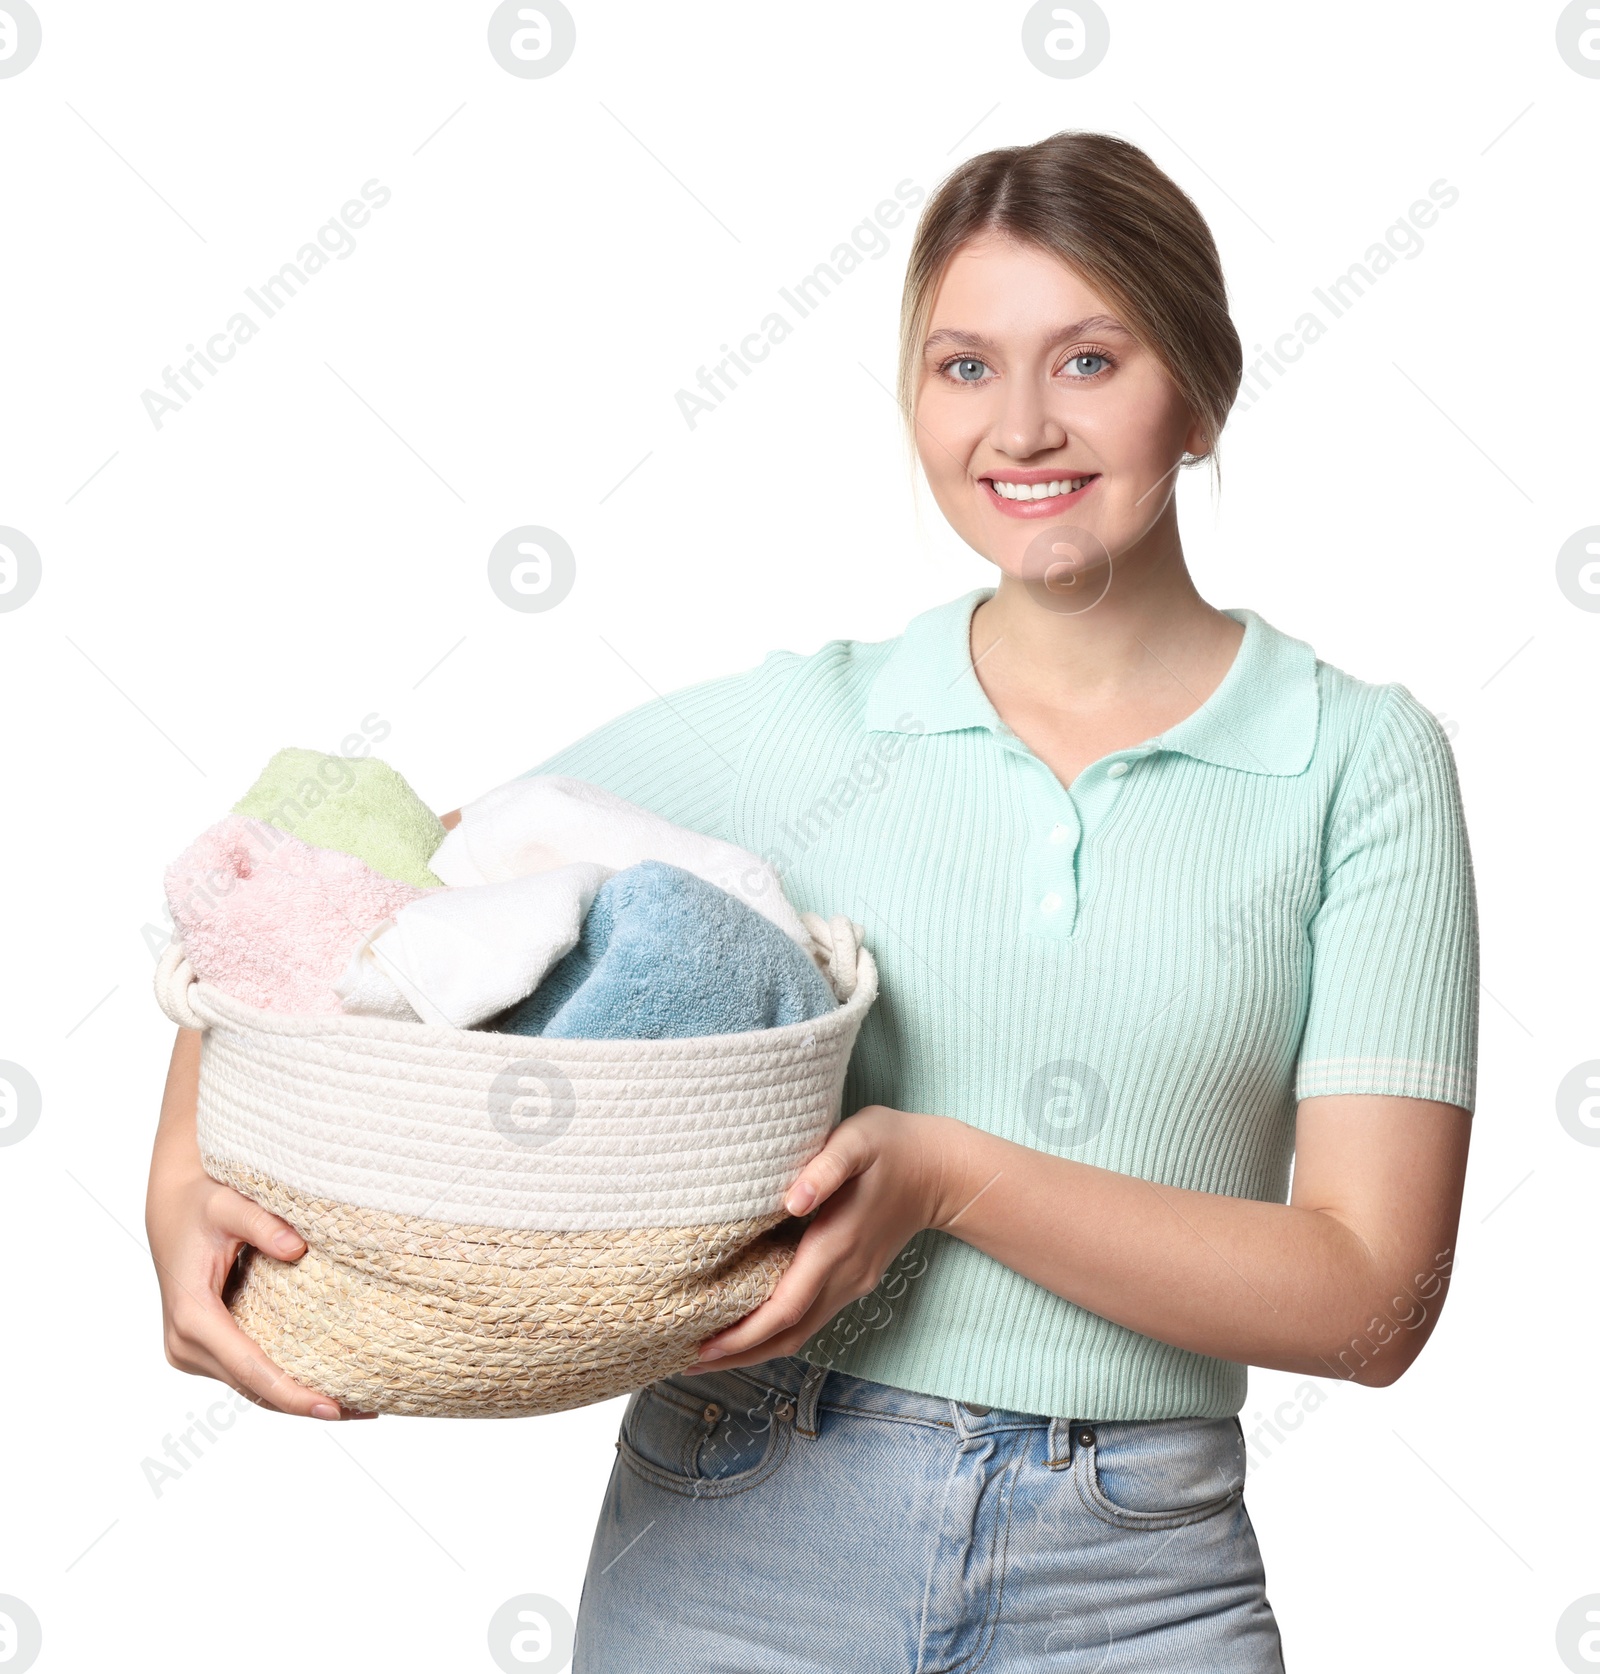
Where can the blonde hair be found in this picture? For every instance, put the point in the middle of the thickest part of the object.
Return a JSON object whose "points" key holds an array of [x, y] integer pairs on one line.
{"points": [[1101, 206]]}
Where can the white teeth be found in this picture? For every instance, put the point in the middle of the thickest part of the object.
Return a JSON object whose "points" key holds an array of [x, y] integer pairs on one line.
{"points": [[1038, 490]]}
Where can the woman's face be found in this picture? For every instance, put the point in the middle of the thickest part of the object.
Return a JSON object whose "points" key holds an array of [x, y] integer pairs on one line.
{"points": [[1029, 379]]}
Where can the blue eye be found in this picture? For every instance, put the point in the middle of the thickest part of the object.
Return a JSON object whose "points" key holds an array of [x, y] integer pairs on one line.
{"points": [[968, 369]]}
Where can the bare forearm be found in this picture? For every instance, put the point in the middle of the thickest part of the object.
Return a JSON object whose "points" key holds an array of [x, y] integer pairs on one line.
{"points": [[176, 1146], [1261, 1283]]}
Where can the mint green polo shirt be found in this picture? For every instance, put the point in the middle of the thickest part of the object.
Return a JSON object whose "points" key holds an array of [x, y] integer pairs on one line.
{"points": [[1143, 970]]}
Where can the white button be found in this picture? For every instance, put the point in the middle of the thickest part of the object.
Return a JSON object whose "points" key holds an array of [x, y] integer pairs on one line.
{"points": [[1060, 833], [1051, 903], [1116, 770]]}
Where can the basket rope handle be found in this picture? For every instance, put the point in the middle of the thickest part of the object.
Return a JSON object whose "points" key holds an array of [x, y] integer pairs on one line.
{"points": [[835, 945], [173, 980]]}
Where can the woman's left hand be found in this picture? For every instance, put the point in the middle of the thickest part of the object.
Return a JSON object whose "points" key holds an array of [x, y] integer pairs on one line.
{"points": [[881, 1178]]}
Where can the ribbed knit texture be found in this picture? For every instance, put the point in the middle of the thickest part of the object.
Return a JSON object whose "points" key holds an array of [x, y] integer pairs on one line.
{"points": [[1270, 901]]}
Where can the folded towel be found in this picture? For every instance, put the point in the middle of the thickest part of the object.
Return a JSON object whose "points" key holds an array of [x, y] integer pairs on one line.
{"points": [[359, 806], [460, 955], [535, 824], [271, 919], [664, 955]]}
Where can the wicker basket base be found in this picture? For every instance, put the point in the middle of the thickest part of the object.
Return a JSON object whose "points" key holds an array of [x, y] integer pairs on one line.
{"points": [[398, 1314]]}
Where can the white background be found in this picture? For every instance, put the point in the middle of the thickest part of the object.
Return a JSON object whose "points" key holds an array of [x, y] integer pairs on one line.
{"points": [[303, 543]]}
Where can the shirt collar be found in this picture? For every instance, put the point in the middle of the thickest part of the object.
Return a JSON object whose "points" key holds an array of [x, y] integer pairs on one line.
{"points": [[1262, 718]]}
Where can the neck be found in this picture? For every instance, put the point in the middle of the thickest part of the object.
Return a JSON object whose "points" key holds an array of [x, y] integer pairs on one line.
{"points": [[1141, 627]]}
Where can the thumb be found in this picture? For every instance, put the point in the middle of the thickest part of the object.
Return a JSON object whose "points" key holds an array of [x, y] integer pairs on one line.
{"points": [[844, 1156]]}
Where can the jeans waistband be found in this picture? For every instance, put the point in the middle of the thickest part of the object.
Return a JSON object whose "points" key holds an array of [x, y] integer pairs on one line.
{"points": [[810, 1387]]}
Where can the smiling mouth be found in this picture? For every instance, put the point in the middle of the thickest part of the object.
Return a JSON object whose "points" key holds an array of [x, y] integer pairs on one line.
{"points": [[1056, 490]]}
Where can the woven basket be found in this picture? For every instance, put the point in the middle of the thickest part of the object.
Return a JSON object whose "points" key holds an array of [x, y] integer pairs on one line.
{"points": [[503, 1225]]}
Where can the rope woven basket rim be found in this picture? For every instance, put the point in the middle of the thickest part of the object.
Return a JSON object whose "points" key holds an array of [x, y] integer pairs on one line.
{"points": [[192, 1003]]}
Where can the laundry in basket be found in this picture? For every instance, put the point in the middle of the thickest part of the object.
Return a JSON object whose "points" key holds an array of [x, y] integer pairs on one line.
{"points": [[504, 1225], [501, 1225]]}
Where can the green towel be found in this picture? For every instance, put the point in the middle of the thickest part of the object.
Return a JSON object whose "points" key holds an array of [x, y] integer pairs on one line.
{"points": [[359, 806]]}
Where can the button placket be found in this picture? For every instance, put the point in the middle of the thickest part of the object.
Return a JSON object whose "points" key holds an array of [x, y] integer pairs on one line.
{"points": [[1050, 904], [1054, 866]]}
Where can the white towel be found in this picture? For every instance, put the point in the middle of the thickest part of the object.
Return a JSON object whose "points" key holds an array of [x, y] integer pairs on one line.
{"points": [[458, 956], [533, 824], [365, 991]]}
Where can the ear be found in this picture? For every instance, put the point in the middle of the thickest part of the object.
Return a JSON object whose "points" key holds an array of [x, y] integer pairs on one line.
{"points": [[1194, 443]]}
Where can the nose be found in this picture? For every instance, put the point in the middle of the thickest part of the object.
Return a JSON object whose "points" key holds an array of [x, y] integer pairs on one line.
{"points": [[1024, 424]]}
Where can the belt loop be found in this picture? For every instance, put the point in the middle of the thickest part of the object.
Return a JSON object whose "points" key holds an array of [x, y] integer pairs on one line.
{"points": [[1059, 1441], [805, 1418]]}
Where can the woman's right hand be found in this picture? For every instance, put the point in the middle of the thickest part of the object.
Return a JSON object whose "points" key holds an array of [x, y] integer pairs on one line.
{"points": [[196, 1227]]}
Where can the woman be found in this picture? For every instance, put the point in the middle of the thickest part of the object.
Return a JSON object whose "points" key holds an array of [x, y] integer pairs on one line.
{"points": [[1159, 900]]}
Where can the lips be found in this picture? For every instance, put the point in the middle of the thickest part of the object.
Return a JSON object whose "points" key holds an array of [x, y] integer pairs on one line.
{"points": [[1035, 509]]}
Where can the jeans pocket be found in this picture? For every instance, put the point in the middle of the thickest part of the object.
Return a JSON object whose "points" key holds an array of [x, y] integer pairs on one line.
{"points": [[1159, 1473], [712, 1435]]}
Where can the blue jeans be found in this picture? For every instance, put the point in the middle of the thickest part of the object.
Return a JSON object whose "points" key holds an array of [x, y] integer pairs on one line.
{"points": [[788, 1517]]}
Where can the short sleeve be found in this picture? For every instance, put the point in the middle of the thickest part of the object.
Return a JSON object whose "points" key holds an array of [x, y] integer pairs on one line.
{"points": [[679, 755], [1393, 1005]]}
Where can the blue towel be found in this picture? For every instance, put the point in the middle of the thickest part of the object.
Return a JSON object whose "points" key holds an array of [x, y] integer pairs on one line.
{"points": [[664, 955]]}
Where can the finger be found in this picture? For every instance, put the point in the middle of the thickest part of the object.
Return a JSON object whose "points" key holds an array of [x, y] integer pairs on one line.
{"points": [[202, 1335], [795, 1296], [215, 1346], [842, 1158], [788, 1303], [237, 1216], [826, 1308]]}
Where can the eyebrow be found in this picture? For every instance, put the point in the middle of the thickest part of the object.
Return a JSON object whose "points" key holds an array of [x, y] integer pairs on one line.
{"points": [[952, 337]]}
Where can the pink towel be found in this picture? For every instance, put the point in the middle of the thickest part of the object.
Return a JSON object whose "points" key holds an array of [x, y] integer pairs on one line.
{"points": [[272, 920]]}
